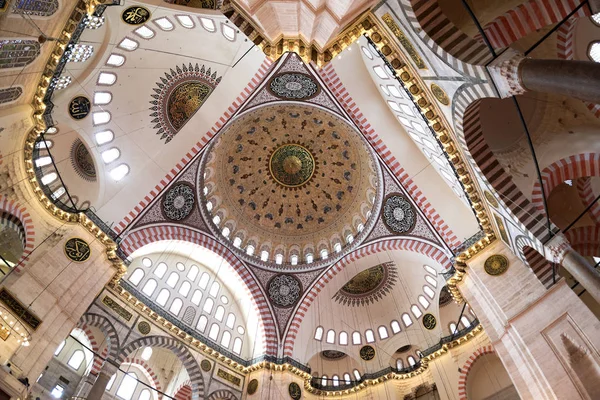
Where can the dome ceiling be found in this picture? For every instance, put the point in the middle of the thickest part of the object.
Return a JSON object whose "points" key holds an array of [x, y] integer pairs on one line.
{"points": [[290, 179]]}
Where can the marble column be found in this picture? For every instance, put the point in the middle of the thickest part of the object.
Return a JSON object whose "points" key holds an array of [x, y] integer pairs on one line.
{"points": [[515, 74], [107, 371], [581, 270]]}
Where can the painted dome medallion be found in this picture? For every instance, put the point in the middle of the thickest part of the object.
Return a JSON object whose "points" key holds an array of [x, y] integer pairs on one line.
{"points": [[289, 184]]}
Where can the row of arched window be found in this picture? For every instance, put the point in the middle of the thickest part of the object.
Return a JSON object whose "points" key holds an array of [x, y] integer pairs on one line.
{"points": [[336, 380], [186, 291]]}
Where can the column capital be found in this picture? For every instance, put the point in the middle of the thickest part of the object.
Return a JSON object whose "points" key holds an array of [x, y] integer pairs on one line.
{"points": [[505, 71], [109, 368], [557, 248]]}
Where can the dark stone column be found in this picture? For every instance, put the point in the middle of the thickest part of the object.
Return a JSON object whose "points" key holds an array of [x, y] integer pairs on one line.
{"points": [[578, 79]]}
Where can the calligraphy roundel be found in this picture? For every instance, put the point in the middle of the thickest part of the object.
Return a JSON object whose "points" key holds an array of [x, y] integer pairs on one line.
{"points": [[496, 265], [429, 321], [367, 353], [135, 15], [79, 107], [398, 214], [293, 86], [144, 327], [205, 365], [295, 391], [77, 250], [253, 386], [178, 202]]}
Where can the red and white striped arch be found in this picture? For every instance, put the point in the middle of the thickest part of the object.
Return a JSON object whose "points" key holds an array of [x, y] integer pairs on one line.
{"points": [[150, 374], [588, 198], [570, 168], [139, 238], [529, 17], [184, 391], [408, 244], [334, 83], [254, 82], [24, 217], [585, 240], [466, 368], [98, 360]]}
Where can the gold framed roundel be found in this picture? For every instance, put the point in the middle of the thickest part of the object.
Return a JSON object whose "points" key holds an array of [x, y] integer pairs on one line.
{"points": [[205, 365], [77, 250], [295, 391], [144, 327], [367, 353], [252, 386], [496, 265], [429, 321], [135, 15]]}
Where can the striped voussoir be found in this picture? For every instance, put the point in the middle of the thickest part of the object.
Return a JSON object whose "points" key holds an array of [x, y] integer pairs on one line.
{"points": [[588, 197], [334, 83], [585, 240], [440, 30], [139, 238], [464, 371], [184, 392], [565, 50], [22, 219], [222, 395], [527, 18], [486, 162], [150, 374], [528, 253], [569, 168], [237, 103], [413, 245], [107, 328], [182, 353], [99, 358]]}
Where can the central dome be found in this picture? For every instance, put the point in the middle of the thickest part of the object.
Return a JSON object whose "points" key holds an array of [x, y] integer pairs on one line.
{"points": [[289, 183]]}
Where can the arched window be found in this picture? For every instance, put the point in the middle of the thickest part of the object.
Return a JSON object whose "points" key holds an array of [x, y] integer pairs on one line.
{"points": [[201, 325], [208, 305], [18, 53], [8, 95], [424, 302], [452, 327], [162, 297], [399, 364], [250, 250], [176, 306], [136, 277], [324, 380], [430, 270], [110, 155], [225, 339], [160, 270], [149, 287], [193, 273], [196, 297], [127, 386], [419, 353], [225, 232], [164, 24], [428, 291], [395, 326], [319, 333], [146, 262], [324, 254], [369, 336], [111, 382], [415, 310], [214, 331], [42, 8], [76, 359], [431, 280], [406, 319], [220, 313], [60, 347], [214, 289], [337, 247], [336, 380], [383, 332], [144, 395], [343, 338], [173, 279], [356, 338], [208, 24], [330, 336], [185, 288], [237, 345], [101, 118], [185, 21], [237, 241], [347, 378], [594, 52], [465, 322], [230, 320], [294, 259], [309, 258], [356, 374], [228, 32], [411, 361], [146, 353], [180, 267], [203, 280]]}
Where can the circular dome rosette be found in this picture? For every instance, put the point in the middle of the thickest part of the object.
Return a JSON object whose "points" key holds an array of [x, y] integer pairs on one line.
{"points": [[293, 86], [287, 182]]}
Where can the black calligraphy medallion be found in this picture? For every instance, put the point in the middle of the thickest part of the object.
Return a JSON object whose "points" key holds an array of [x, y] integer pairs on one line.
{"points": [[429, 321], [77, 250], [79, 107], [135, 15], [295, 391], [367, 353]]}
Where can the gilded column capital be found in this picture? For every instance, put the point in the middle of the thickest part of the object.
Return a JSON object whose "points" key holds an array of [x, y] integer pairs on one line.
{"points": [[505, 71]]}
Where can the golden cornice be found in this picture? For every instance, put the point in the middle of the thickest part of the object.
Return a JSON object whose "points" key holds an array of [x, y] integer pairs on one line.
{"points": [[83, 8]]}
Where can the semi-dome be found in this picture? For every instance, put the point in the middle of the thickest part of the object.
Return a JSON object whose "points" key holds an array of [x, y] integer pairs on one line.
{"points": [[289, 183]]}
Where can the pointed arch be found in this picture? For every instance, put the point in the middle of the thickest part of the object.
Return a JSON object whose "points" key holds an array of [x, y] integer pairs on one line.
{"points": [[139, 238], [466, 368], [148, 372], [184, 392], [410, 244], [182, 353], [21, 219], [222, 395], [107, 328]]}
